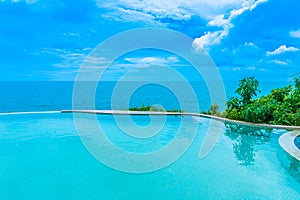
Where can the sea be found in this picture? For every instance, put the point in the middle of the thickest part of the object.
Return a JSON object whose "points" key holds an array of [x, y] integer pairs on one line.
{"points": [[29, 96]]}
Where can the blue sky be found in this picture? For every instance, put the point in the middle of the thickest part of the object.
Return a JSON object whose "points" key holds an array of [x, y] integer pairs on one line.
{"points": [[49, 39]]}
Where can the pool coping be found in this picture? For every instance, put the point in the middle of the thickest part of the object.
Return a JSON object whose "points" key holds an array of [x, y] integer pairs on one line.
{"points": [[287, 142], [127, 112]]}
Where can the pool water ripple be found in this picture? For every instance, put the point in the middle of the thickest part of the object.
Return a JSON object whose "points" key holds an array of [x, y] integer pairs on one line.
{"points": [[42, 157]]}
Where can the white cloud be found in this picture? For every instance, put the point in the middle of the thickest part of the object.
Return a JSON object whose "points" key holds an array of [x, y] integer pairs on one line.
{"points": [[218, 21], [153, 60], [214, 38], [236, 69], [175, 9], [282, 49], [128, 15], [27, 1], [295, 34], [172, 59], [209, 39], [71, 34], [31, 1], [280, 62], [250, 44], [150, 12], [251, 68], [69, 59], [87, 49], [95, 61]]}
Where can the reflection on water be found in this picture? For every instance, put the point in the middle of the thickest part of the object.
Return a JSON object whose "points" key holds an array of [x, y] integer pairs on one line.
{"points": [[290, 164], [245, 140], [294, 167]]}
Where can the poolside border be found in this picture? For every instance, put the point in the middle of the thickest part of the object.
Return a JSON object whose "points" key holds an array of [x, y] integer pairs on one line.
{"points": [[127, 112], [287, 142]]}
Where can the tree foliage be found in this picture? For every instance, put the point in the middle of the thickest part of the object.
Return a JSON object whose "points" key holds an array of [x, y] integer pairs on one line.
{"points": [[281, 106], [213, 110], [296, 79], [153, 109], [248, 88]]}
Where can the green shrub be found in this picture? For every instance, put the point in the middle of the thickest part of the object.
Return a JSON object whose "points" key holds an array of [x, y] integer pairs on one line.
{"points": [[281, 106]]}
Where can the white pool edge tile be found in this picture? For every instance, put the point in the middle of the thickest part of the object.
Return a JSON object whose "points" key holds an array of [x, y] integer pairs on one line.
{"points": [[287, 142]]}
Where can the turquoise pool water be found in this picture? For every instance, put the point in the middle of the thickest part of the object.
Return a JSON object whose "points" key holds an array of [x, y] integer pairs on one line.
{"points": [[42, 157], [297, 142]]}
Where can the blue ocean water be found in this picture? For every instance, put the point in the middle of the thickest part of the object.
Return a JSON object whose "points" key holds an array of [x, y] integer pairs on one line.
{"points": [[45, 96]]}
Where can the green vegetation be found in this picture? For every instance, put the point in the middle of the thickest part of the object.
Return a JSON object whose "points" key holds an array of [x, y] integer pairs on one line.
{"points": [[175, 110], [213, 110], [246, 141], [153, 109], [281, 106], [144, 108]]}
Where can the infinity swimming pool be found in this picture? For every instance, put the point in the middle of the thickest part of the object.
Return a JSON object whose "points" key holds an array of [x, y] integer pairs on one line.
{"points": [[42, 157]]}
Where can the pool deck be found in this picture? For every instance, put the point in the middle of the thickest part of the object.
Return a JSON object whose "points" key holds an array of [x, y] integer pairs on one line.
{"points": [[127, 112], [287, 142]]}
